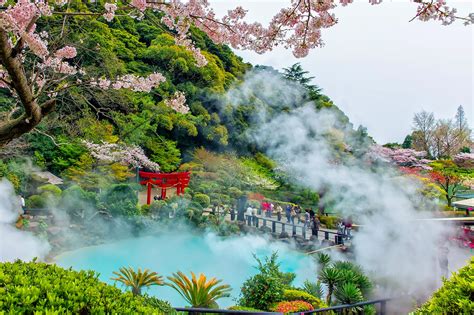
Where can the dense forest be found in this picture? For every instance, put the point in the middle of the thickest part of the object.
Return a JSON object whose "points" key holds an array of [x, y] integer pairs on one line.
{"points": [[205, 140]]}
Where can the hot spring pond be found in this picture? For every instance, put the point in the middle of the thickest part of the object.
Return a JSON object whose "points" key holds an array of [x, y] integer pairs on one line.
{"points": [[229, 259]]}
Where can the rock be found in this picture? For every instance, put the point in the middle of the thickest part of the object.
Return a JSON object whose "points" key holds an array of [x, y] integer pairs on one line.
{"points": [[284, 235], [54, 230], [33, 225]]}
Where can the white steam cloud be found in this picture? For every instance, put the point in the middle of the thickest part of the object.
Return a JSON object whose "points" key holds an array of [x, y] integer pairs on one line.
{"points": [[400, 251], [14, 243]]}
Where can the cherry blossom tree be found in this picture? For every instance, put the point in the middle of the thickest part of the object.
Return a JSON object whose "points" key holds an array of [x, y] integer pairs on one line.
{"points": [[465, 160], [114, 152], [36, 74], [408, 160]]}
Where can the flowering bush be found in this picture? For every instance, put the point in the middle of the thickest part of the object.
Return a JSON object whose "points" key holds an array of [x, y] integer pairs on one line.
{"points": [[292, 306], [292, 295]]}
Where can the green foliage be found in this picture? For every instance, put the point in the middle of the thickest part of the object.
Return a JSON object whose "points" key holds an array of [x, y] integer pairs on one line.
{"points": [[267, 287], [348, 293], [455, 296], [197, 291], [202, 199], [51, 190], [292, 295], [330, 277], [329, 221], [352, 273], [39, 288], [323, 259], [120, 200], [74, 199], [36, 201], [313, 288], [136, 280]]}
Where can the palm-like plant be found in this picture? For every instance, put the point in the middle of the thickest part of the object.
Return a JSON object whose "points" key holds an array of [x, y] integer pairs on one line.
{"points": [[349, 293], [354, 273], [330, 277], [197, 291], [313, 288], [137, 279], [323, 260]]}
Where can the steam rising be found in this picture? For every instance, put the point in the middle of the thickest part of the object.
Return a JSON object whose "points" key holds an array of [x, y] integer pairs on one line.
{"points": [[14, 243], [401, 252]]}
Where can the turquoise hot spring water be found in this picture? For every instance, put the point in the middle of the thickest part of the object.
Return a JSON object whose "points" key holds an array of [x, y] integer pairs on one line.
{"points": [[230, 259]]}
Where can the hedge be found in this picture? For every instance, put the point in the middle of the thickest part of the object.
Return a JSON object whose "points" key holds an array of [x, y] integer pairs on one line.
{"points": [[39, 288], [456, 296]]}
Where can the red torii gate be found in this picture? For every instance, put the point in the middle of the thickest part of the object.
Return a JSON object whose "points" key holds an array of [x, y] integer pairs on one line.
{"points": [[164, 181]]}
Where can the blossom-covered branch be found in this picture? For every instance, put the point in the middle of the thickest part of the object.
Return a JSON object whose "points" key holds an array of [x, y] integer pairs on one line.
{"points": [[113, 152], [297, 27], [406, 158]]}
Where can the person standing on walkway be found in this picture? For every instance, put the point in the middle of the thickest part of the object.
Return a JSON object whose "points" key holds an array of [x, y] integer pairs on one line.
{"points": [[298, 213], [254, 215], [293, 215], [279, 211], [348, 228], [315, 225], [288, 213], [306, 220]]}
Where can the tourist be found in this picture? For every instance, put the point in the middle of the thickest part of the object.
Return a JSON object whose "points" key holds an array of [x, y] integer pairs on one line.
{"points": [[271, 209], [348, 228], [279, 211], [249, 210], [288, 213], [306, 220], [341, 229], [254, 215], [298, 213], [315, 225], [293, 215], [22, 204], [232, 213], [311, 213]]}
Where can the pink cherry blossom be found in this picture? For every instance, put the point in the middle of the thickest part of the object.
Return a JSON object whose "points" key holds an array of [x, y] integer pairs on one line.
{"points": [[400, 157], [121, 153], [178, 103]]}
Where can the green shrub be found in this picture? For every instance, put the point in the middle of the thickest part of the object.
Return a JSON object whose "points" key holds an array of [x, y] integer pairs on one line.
{"points": [[264, 289], [36, 201], [39, 288], [329, 221], [313, 288], [234, 192], [202, 199], [292, 307], [455, 296], [120, 200], [51, 190], [292, 295], [145, 209]]}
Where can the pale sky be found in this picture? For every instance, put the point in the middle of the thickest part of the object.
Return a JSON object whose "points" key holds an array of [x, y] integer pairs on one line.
{"points": [[379, 68]]}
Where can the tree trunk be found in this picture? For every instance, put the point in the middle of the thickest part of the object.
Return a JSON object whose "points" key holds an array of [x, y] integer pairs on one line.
{"points": [[11, 129], [449, 199]]}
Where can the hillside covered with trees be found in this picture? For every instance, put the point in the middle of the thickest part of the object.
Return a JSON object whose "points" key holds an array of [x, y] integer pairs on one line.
{"points": [[204, 139]]}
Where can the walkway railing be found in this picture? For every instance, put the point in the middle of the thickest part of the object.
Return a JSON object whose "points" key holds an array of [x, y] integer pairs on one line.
{"points": [[276, 226], [380, 304], [340, 309], [212, 311]]}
